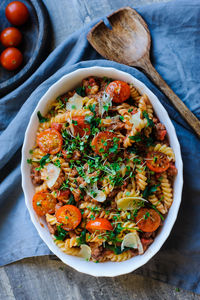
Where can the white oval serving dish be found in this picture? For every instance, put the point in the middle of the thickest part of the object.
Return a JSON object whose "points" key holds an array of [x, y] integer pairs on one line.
{"points": [[66, 83]]}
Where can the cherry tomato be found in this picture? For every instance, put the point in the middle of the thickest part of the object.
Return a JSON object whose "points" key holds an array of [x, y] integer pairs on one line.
{"points": [[56, 126], [148, 220], [43, 203], [50, 141], [11, 36], [80, 126], [69, 216], [17, 13], [11, 58], [118, 90], [157, 161], [63, 195], [105, 143], [98, 224]]}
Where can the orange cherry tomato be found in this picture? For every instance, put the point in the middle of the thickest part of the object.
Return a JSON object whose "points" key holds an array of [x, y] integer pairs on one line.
{"points": [[56, 126], [17, 13], [63, 195], [50, 141], [11, 58], [103, 143], [118, 90], [43, 203], [157, 161], [148, 220], [80, 126], [98, 224], [11, 36], [69, 216]]}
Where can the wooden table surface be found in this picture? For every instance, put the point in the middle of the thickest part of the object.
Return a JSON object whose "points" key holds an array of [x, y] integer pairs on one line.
{"points": [[46, 278]]}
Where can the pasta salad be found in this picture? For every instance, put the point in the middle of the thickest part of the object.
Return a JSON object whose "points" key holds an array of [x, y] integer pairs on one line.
{"points": [[103, 171]]}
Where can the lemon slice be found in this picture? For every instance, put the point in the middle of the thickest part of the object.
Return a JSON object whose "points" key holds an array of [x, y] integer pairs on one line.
{"points": [[85, 252], [50, 174], [132, 240], [129, 203]]}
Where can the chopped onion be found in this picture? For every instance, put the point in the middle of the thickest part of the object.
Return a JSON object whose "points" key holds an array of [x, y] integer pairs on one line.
{"points": [[75, 102]]}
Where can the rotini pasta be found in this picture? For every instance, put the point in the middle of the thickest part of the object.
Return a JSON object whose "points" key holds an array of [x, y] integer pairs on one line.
{"points": [[102, 170]]}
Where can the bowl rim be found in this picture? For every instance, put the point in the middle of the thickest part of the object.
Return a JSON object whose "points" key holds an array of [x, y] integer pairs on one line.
{"points": [[75, 262]]}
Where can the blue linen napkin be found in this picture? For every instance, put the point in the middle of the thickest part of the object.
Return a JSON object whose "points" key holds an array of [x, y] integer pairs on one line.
{"points": [[176, 53]]}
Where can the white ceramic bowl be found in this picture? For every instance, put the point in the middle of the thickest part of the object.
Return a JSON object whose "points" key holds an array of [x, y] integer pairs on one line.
{"points": [[66, 83]]}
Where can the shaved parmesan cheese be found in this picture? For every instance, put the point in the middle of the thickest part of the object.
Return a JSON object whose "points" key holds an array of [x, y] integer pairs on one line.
{"points": [[85, 252], [96, 194], [136, 119], [129, 203], [52, 173], [104, 103], [132, 240], [75, 102]]}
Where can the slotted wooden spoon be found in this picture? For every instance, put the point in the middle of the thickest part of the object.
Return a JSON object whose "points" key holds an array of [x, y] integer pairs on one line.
{"points": [[128, 42]]}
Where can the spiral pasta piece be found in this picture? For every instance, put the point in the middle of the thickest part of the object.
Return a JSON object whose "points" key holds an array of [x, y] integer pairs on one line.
{"points": [[141, 178], [166, 150], [51, 219], [120, 257], [166, 190], [160, 206], [41, 188], [135, 95]]}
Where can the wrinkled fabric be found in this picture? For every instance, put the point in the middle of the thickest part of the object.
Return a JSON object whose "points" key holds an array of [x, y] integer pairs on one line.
{"points": [[174, 27]]}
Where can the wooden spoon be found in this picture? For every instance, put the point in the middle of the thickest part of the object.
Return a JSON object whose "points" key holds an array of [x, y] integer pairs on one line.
{"points": [[128, 42]]}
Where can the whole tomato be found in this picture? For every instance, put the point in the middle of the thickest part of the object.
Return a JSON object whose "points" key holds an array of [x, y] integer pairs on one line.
{"points": [[17, 13], [11, 37], [11, 58]]}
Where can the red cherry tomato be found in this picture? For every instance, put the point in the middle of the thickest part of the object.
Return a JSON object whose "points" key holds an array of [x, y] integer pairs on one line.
{"points": [[80, 126], [105, 142], [69, 216], [11, 58], [17, 13], [148, 220], [56, 126], [43, 203], [98, 224], [157, 161], [118, 90], [11, 36], [50, 141], [63, 195]]}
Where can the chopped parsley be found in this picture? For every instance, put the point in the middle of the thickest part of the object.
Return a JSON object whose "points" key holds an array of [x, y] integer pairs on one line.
{"points": [[41, 118]]}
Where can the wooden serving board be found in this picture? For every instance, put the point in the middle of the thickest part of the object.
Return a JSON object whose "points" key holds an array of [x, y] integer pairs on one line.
{"points": [[34, 46]]}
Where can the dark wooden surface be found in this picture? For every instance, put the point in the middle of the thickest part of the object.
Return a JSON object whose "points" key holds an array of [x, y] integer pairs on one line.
{"points": [[34, 45], [44, 278]]}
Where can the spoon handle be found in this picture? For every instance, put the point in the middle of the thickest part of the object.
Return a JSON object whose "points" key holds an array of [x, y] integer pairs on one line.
{"points": [[176, 101]]}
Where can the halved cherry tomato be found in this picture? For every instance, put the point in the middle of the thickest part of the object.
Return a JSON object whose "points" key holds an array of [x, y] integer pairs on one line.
{"points": [[148, 220], [105, 142], [11, 58], [43, 203], [157, 161], [17, 13], [80, 126], [69, 216], [11, 36], [118, 90], [63, 195], [98, 224], [56, 126], [50, 141]]}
